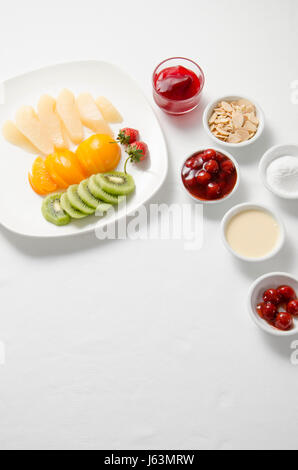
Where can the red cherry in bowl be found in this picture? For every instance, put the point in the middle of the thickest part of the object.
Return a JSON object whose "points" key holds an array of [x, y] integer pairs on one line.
{"points": [[213, 190], [284, 321], [292, 307], [228, 167], [212, 167], [220, 157], [269, 311], [203, 177], [209, 154], [271, 295], [260, 309], [190, 180], [287, 293]]}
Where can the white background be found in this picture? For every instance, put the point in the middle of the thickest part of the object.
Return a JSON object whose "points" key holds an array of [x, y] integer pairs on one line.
{"points": [[133, 345]]}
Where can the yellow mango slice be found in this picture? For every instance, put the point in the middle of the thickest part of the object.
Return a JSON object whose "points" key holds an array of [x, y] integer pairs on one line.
{"points": [[50, 120], [28, 124], [12, 134], [69, 115], [91, 116], [109, 112]]}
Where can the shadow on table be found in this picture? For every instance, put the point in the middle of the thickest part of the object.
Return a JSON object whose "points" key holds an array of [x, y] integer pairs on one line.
{"points": [[44, 247], [284, 262], [279, 345], [191, 120]]}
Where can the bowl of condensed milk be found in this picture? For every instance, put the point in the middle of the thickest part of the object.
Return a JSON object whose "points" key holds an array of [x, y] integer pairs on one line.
{"points": [[252, 232]]}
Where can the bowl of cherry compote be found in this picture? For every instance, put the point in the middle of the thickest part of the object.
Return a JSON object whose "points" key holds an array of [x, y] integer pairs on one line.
{"points": [[273, 303], [210, 176], [177, 85]]}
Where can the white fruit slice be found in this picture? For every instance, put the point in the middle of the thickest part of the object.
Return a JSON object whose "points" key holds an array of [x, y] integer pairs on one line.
{"points": [[12, 134], [90, 115], [28, 123], [109, 112], [50, 120], [69, 114]]}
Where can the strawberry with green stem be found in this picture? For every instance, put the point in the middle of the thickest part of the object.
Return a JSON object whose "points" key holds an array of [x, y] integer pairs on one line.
{"points": [[128, 136], [137, 152]]}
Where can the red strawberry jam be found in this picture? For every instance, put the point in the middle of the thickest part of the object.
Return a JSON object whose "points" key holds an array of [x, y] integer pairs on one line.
{"points": [[205, 175], [177, 85]]}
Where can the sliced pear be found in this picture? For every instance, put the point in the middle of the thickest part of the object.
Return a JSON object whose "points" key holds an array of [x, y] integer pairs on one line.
{"points": [[109, 112], [28, 124], [69, 115], [12, 134], [50, 120], [91, 116], [65, 135]]}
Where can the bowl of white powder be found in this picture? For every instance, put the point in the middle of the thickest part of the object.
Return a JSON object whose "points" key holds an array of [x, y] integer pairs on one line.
{"points": [[279, 171]]}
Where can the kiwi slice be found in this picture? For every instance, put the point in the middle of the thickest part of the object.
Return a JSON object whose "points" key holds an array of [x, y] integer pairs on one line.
{"points": [[67, 207], [99, 193], [86, 195], [76, 201], [52, 211], [116, 182], [102, 208]]}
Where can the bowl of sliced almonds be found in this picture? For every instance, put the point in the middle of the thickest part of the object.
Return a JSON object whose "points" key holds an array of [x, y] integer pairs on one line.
{"points": [[234, 121]]}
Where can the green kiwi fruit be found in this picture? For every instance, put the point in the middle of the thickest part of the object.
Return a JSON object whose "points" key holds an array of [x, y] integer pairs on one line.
{"points": [[99, 193], [86, 195], [102, 208], [67, 207], [52, 210], [76, 201], [116, 183]]}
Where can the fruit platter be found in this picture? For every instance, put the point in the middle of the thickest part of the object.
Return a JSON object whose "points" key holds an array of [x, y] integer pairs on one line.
{"points": [[76, 145]]}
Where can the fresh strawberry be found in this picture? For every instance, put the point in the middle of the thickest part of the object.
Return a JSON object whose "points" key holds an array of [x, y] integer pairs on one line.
{"points": [[137, 152], [128, 136]]}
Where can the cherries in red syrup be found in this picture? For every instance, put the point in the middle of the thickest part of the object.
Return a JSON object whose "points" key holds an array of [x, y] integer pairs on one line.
{"points": [[287, 293], [212, 167], [284, 321], [275, 300], [203, 177], [292, 307], [271, 295], [216, 175], [269, 311]]}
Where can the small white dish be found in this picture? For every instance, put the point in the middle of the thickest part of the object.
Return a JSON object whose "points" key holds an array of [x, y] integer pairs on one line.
{"points": [[272, 154], [215, 201], [250, 206], [255, 296], [209, 110], [20, 209]]}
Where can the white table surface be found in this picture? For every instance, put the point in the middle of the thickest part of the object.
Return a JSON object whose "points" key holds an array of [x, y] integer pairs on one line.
{"points": [[135, 345]]}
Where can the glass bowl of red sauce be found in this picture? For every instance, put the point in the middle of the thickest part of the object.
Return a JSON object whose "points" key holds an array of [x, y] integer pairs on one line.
{"points": [[210, 176], [177, 85]]}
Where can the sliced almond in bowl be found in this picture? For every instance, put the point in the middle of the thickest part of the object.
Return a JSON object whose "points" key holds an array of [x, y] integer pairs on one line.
{"points": [[235, 121]]}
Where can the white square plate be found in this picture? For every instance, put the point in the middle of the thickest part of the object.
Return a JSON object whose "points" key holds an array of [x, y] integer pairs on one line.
{"points": [[20, 207]]}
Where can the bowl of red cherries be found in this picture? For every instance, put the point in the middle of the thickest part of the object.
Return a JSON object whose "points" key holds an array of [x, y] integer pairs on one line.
{"points": [[210, 176], [273, 304]]}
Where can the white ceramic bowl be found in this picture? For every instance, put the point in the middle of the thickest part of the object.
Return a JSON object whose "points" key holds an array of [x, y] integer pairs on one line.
{"points": [[271, 155], [209, 110], [255, 296], [215, 201], [248, 206]]}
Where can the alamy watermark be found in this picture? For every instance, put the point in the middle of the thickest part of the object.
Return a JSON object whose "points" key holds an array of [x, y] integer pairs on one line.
{"points": [[154, 222]]}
